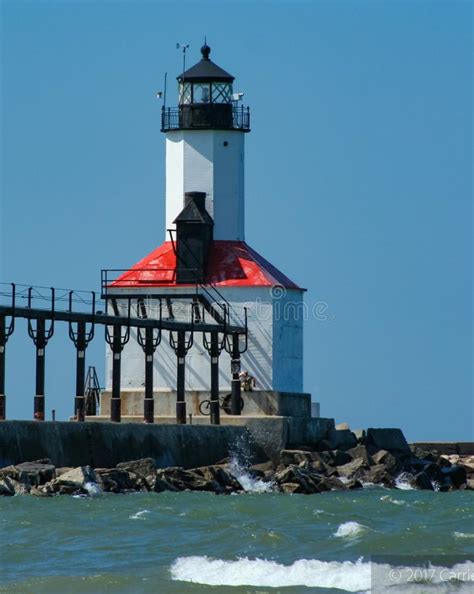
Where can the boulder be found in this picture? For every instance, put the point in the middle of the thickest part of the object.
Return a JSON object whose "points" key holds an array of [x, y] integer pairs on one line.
{"points": [[39, 473], [452, 458], [387, 459], [327, 483], [145, 471], [354, 484], [63, 469], [446, 486], [456, 474], [414, 465], [360, 451], [72, 481], [174, 476], [288, 457], [323, 445], [422, 480], [470, 484], [160, 484], [264, 467], [433, 471], [21, 488], [43, 491], [77, 477], [391, 440], [295, 475], [188, 480], [286, 475], [318, 466], [118, 480], [331, 471], [291, 488], [352, 469], [443, 462], [342, 439], [467, 462], [30, 473], [220, 475], [339, 458], [145, 467], [6, 487], [379, 475]]}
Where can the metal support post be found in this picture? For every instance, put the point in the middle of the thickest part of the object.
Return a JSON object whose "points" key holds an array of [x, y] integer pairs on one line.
{"points": [[180, 375], [39, 406], [235, 369], [115, 401], [215, 352]]}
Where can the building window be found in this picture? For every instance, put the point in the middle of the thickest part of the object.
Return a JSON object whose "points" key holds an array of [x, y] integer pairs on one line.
{"points": [[185, 93], [201, 93], [221, 92]]}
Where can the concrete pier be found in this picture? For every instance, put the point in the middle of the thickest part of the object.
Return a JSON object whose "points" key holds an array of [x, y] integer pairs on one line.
{"points": [[105, 444]]}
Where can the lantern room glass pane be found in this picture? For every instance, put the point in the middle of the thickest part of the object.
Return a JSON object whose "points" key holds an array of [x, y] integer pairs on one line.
{"points": [[185, 93], [201, 93], [221, 92]]}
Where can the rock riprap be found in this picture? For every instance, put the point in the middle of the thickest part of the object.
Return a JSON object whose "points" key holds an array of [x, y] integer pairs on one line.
{"points": [[377, 458]]}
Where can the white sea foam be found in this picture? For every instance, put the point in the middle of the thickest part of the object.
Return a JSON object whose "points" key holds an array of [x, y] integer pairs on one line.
{"points": [[402, 481], [92, 489], [349, 576], [249, 483], [392, 500], [463, 535], [139, 515], [312, 573], [350, 529]]}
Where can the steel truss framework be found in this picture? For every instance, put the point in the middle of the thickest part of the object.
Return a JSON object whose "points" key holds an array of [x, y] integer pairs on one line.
{"points": [[121, 313]]}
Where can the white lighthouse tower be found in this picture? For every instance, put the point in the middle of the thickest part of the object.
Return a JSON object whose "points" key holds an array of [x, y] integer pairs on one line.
{"points": [[205, 255]]}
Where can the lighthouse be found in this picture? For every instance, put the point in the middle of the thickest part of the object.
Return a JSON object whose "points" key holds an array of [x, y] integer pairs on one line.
{"points": [[206, 261]]}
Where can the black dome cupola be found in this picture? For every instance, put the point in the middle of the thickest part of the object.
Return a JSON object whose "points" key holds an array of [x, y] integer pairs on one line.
{"points": [[205, 82], [206, 99]]}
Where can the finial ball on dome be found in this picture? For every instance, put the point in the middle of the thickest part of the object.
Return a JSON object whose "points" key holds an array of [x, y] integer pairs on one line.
{"points": [[205, 51]]}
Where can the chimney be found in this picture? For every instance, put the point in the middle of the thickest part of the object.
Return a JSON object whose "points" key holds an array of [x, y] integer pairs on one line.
{"points": [[194, 234]]}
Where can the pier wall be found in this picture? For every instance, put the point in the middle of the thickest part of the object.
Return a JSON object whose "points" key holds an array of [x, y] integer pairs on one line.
{"points": [[105, 444]]}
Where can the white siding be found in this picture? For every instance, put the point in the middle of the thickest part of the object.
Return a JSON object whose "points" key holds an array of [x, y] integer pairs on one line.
{"points": [[274, 356], [199, 161], [289, 313]]}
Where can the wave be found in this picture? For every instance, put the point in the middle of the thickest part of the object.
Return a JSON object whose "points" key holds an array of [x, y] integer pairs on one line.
{"points": [[349, 576], [350, 529], [139, 515], [392, 500], [463, 535], [249, 483], [92, 489], [402, 481]]}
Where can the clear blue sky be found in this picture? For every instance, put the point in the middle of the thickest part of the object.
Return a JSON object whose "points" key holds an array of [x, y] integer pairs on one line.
{"points": [[358, 180]]}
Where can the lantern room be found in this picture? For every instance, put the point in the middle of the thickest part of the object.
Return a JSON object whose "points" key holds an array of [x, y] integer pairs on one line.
{"points": [[206, 99], [205, 82]]}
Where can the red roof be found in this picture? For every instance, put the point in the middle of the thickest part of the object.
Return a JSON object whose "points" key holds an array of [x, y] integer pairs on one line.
{"points": [[231, 264]]}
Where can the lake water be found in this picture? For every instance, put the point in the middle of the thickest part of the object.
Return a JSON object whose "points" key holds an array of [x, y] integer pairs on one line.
{"points": [[251, 543]]}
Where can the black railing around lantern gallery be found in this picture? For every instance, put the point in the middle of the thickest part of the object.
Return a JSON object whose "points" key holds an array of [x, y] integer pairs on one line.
{"points": [[202, 116]]}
